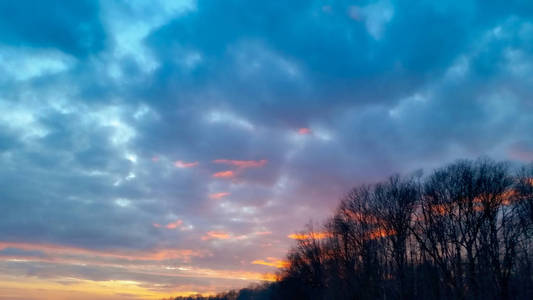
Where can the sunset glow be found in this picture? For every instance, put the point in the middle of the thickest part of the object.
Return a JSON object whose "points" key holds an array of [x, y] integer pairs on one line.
{"points": [[271, 262], [218, 235], [219, 195], [381, 233], [52, 250], [173, 225], [224, 174], [305, 236], [157, 148]]}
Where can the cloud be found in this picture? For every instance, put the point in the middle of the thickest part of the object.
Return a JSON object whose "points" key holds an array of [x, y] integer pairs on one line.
{"points": [[218, 235], [242, 163], [181, 164], [304, 131], [104, 97], [219, 195], [380, 232], [224, 174], [75, 28], [312, 235], [57, 251], [174, 225], [271, 262]]}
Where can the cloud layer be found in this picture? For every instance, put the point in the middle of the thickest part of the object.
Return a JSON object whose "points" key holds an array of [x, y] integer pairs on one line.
{"points": [[164, 145]]}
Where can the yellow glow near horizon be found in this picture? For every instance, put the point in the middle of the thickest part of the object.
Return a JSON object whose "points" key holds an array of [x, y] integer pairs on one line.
{"points": [[271, 262], [18, 287], [311, 235], [137, 264], [67, 288]]}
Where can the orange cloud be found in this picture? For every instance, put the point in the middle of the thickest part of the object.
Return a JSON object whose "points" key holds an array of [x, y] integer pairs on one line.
{"points": [[182, 164], [380, 233], [156, 225], [137, 255], [270, 277], [271, 262], [305, 236], [219, 195], [224, 174], [242, 163], [508, 197], [218, 235], [360, 217], [304, 131], [173, 225], [439, 209]]}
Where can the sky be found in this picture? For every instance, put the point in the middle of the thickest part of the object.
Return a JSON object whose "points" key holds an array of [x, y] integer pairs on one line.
{"points": [[159, 148]]}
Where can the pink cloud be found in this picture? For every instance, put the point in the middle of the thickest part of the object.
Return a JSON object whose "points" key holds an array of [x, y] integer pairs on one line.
{"points": [[173, 225], [182, 164], [304, 131], [224, 174], [218, 235], [263, 233], [219, 195]]}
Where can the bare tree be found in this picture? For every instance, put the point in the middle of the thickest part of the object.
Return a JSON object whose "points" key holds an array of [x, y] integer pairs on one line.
{"points": [[463, 232], [393, 205]]}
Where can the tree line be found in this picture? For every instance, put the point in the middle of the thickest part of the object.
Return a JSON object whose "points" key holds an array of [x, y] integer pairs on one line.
{"points": [[462, 232]]}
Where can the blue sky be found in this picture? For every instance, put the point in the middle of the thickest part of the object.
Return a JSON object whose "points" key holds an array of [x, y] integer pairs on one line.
{"points": [[166, 147]]}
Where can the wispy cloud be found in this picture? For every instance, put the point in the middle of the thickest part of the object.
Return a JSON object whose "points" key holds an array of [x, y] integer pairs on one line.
{"points": [[311, 235], [182, 164], [57, 251], [175, 224], [271, 262], [143, 116], [219, 195], [217, 235], [242, 163], [224, 174]]}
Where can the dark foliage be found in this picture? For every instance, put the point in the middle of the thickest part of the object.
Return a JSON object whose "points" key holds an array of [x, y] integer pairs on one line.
{"points": [[463, 232]]}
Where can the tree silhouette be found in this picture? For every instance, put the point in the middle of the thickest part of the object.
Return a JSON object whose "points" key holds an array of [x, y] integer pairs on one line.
{"points": [[465, 231]]}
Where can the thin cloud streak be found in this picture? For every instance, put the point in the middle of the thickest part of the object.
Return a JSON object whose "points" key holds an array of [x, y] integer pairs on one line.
{"points": [[271, 262], [219, 195], [126, 255], [184, 165], [217, 235], [224, 174], [242, 163]]}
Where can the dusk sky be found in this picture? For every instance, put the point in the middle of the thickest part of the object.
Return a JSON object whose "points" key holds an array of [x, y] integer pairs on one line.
{"points": [[159, 148]]}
